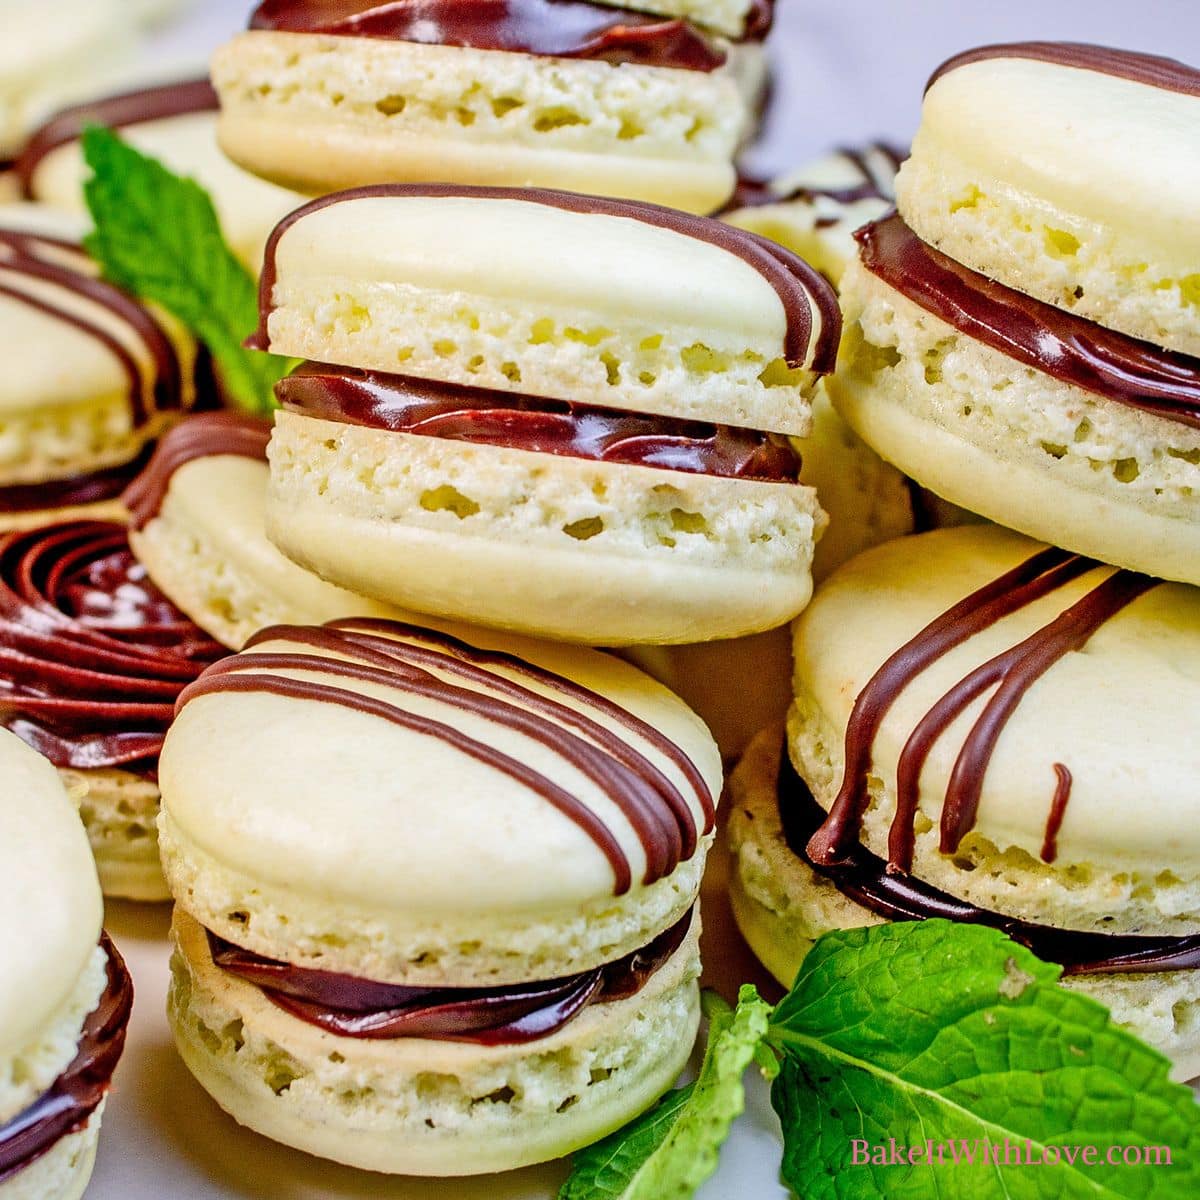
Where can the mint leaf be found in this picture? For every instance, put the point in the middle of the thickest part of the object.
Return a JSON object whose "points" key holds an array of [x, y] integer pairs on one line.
{"points": [[928, 1032], [667, 1153], [157, 236]]}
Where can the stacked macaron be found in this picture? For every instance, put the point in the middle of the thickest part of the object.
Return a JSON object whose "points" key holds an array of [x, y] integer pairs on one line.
{"points": [[545, 412], [1023, 338], [65, 995], [435, 891], [988, 728], [174, 122], [91, 376], [555, 93]]}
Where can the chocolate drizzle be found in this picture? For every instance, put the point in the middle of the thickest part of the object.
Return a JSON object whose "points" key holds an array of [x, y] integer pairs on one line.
{"points": [[92, 654], [403, 404], [78, 1091], [803, 291], [867, 880], [870, 170], [1058, 343], [1011, 674], [360, 1008], [202, 435], [29, 259], [1166, 73], [550, 28], [418, 662], [115, 112]]}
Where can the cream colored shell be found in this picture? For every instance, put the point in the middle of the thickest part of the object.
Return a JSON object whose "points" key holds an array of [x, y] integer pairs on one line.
{"points": [[527, 297], [50, 910], [1071, 185]]}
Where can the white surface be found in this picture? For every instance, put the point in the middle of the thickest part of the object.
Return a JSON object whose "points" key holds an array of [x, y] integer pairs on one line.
{"points": [[850, 70]]}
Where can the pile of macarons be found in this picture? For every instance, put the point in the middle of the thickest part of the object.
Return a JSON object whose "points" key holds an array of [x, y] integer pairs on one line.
{"points": [[330, 680]]}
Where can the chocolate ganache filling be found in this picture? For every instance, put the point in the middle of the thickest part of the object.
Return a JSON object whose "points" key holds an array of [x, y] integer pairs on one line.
{"points": [[810, 305], [1067, 347], [92, 488], [203, 435], [578, 725], [115, 112], [78, 1091], [92, 654], [1166, 73], [550, 28], [402, 404], [360, 1008]]}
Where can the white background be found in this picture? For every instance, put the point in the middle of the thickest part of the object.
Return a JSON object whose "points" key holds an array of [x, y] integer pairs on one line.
{"points": [[848, 70]]}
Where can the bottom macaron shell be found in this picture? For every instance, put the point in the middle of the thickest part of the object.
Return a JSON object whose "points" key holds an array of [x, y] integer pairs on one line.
{"points": [[418, 1106], [592, 552], [984, 432], [119, 811], [63, 1172], [782, 906]]}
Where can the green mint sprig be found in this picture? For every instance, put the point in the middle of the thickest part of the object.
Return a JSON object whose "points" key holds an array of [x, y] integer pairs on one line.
{"points": [[157, 235], [908, 1037]]}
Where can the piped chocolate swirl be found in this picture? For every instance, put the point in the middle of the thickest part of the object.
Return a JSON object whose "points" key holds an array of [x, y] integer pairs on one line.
{"points": [[505, 692], [1060, 344], [92, 654], [203, 435], [66, 1107], [548, 28], [115, 112], [1150, 69], [361, 1008], [811, 310], [403, 404], [57, 278]]}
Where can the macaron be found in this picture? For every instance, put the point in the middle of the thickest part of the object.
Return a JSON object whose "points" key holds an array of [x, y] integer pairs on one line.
{"points": [[48, 62], [734, 18], [1068, 172], [65, 995], [815, 209], [550, 93], [575, 445], [990, 730], [197, 517], [445, 988], [92, 657], [92, 376], [176, 123]]}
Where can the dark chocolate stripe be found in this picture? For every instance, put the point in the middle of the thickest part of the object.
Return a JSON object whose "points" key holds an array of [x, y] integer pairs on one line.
{"points": [[1058, 810], [405, 404], [202, 435], [801, 289], [549, 28], [35, 257], [114, 112], [871, 184], [77, 1093], [92, 655], [1048, 339], [1012, 673], [92, 488], [360, 1008], [868, 880], [1166, 73]]}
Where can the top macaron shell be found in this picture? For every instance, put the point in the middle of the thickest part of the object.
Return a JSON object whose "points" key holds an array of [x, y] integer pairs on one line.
{"points": [[1119, 715], [1074, 185], [50, 903]]}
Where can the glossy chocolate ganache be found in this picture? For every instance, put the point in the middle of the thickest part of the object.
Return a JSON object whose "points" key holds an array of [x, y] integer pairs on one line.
{"points": [[831, 842], [1060, 344], [77, 1093], [810, 305], [92, 654], [505, 691], [402, 404], [360, 1008], [549, 28]]}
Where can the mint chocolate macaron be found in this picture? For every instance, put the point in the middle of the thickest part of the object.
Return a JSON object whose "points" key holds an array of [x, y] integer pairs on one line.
{"points": [[435, 892]]}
